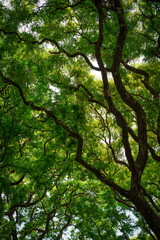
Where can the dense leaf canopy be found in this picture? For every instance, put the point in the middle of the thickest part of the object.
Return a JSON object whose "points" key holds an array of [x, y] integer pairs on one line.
{"points": [[79, 119]]}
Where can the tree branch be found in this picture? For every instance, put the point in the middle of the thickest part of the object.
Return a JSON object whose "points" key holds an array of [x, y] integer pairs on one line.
{"points": [[19, 181], [78, 158], [146, 78]]}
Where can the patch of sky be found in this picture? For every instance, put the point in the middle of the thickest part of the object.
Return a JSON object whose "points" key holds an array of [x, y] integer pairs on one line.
{"points": [[41, 3], [134, 220], [55, 91], [67, 234], [95, 73], [6, 3], [28, 29]]}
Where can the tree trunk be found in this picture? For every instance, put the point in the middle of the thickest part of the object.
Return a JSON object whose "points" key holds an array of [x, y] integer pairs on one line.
{"points": [[151, 217]]}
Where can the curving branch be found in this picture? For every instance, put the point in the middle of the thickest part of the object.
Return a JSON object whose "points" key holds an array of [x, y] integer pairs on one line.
{"points": [[126, 96], [14, 233], [152, 151], [12, 32], [150, 199], [66, 53], [146, 78], [121, 122], [28, 203], [125, 202], [45, 150], [78, 157], [49, 217], [18, 181], [147, 230], [64, 227], [60, 49]]}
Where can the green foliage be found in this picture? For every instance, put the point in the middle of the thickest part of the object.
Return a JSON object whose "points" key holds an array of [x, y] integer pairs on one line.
{"points": [[50, 101]]}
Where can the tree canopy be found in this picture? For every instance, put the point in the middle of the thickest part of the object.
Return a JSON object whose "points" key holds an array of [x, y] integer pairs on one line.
{"points": [[79, 152]]}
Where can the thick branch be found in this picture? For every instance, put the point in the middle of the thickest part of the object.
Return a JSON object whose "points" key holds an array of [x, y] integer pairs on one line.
{"points": [[66, 53], [125, 95], [64, 227], [146, 78], [119, 117], [27, 204], [78, 158], [152, 151], [150, 199], [125, 202], [18, 181], [12, 32]]}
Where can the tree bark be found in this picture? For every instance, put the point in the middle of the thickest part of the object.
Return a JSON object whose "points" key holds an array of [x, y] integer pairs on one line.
{"points": [[143, 207]]}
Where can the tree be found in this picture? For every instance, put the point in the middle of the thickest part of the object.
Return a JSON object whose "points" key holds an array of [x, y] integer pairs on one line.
{"points": [[59, 119]]}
